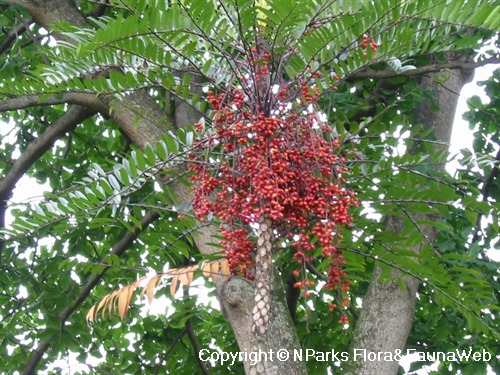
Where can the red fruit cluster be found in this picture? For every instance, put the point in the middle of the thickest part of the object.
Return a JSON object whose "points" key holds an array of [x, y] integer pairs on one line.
{"points": [[259, 63], [281, 168], [368, 42], [309, 96]]}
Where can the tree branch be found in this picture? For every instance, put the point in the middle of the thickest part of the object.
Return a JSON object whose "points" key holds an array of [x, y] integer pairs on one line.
{"points": [[427, 69], [98, 11], [196, 347], [13, 34], [139, 117], [37, 148], [79, 98], [385, 327], [118, 249]]}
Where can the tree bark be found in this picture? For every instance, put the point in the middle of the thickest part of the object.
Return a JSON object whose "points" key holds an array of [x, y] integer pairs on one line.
{"points": [[237, 302], [388, 311]]}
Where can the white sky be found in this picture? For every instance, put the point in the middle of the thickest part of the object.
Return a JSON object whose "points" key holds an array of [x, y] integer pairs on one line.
{"points": [[462, 136]]}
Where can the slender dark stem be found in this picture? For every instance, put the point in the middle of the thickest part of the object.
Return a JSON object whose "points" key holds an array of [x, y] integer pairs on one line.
{"points": [[196, 347]]}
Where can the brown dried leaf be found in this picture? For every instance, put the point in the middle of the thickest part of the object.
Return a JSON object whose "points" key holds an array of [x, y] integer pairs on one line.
{"points": [[119, 300], [112, 302], [183, 277], [107, 303], [214, 269], [171, 272], [186, 275], [150, 287], [174, 284], [224, 267], [90, 317], [206, 269], [124, 301], [137, 283], [102, 305], [190, 273]]}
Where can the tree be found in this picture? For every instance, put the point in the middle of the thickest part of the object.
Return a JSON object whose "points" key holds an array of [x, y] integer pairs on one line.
{"points": [[144, 117]]}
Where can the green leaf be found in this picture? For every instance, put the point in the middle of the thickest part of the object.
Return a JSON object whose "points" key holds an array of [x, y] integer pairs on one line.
{"points": [[150, 155], [113, 182], [161, 150]]}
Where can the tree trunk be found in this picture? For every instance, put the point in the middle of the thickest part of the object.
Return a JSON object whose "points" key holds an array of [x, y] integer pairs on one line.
{"points": [[387, 314], [280, 341]]}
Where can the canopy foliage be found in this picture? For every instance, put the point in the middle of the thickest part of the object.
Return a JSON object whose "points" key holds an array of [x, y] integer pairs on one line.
{"points": [[109, 214]]}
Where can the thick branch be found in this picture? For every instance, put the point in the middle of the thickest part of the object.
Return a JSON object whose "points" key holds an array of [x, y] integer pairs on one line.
{"points": [[44, 142], [139, 117], [66, 123], [236, 297], [79, 98], [118, 249], [427, 69]]}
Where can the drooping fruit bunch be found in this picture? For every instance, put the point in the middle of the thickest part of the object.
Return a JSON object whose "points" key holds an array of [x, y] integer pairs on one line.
{"points": [[284, 167]]}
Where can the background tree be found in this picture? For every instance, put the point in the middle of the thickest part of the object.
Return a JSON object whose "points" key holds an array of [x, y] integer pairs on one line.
{"points": [[101, 99]]}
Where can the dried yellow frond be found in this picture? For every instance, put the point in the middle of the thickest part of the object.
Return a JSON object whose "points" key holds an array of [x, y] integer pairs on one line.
{"points": [[150, 287], [119, 300], [214, 270], [206, 269]]}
